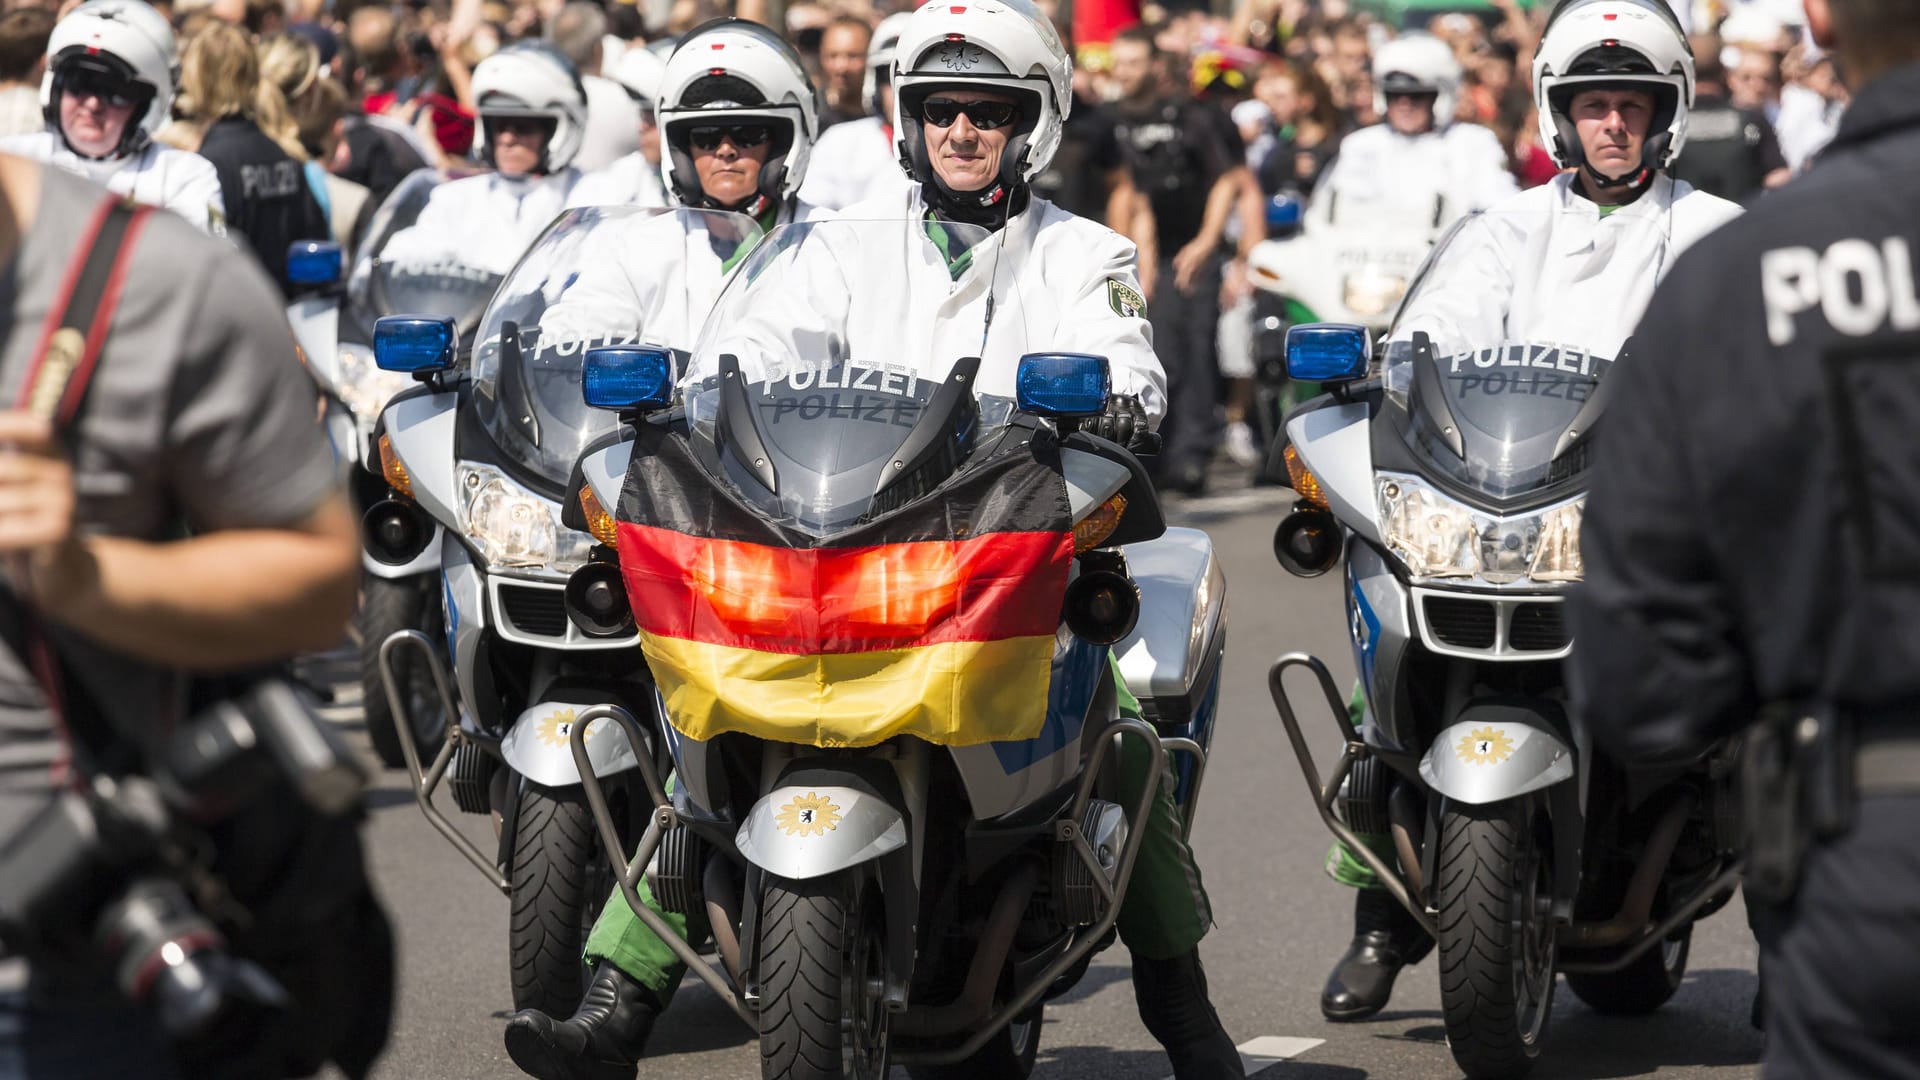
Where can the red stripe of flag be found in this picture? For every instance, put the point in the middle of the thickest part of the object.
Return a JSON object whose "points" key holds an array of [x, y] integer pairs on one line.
{"points": [[813, 601]]}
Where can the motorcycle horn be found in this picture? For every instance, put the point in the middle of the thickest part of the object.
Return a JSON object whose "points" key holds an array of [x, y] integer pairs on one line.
{"points": [[1102, 606], [395, 531], [1308, 542], [596, 601]]}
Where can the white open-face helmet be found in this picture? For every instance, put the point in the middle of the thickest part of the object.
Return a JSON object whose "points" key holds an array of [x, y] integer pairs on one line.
{"points": [[886, 39], [1005, 45], [1593, 44], [1417, 64], [123, 39], [641, 71], [532, 78], [728, 72]]}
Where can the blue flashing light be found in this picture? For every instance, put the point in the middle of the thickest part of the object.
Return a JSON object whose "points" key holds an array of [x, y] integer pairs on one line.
{"points": [[626, 378], [414, 344], [1062, 384]]}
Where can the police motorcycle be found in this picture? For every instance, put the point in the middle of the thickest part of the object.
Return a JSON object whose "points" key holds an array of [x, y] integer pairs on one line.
{"points": [[334, 325], [878, 604], [481, 454], [1452, 475], [1332, 260]]}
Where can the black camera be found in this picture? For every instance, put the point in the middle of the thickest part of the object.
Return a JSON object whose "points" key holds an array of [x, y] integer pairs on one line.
{"points": [[122, 871]]}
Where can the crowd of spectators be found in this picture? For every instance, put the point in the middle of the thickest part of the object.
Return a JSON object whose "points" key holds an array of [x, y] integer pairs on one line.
{"points": [[1185, 122]]}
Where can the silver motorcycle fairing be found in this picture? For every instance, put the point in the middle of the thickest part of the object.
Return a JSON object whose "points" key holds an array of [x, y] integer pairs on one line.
{"points": [[535, 745], [1479, 759], [1091, 480], [421, 430], [316, 329], [343, 430], [1336, 445], [805, 832], [605, 472], [1183, 613], [463, 598], [1379, 627]]}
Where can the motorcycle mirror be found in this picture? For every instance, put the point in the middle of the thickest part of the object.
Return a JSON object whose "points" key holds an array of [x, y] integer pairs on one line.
{"points": [[314, 262], [414, 344], [628, 378], [1062, 384], [1328, 352]]}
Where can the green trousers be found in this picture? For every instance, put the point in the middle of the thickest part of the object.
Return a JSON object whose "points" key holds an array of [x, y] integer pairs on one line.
{"points": [[1343, 865], [1165, 912]]}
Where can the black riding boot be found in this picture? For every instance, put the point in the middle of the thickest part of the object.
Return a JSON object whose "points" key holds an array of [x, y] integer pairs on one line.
{"points": [[1385, 939], [1172, 997], [602, 1040]]}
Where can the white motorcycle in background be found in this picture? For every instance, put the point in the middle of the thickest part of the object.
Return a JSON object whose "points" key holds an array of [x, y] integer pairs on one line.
{"points": [[334, 325], [1332, 261], [535, 615]]}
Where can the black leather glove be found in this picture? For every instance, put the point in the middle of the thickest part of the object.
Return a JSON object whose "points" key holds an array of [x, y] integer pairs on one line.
{"points": [[1125, 422], [1123, 419]]}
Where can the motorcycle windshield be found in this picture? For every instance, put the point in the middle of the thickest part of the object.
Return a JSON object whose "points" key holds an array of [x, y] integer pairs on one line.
{"points": [[598, 276], [1497, 353], [852, 366], [443, 287]]}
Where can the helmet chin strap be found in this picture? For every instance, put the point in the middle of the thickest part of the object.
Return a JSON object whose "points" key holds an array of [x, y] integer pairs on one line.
{"points": [[1633, 179]]}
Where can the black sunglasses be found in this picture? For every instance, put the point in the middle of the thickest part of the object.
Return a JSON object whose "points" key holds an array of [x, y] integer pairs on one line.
{"points": [[740, 135], [113, 92], [985, 115]]}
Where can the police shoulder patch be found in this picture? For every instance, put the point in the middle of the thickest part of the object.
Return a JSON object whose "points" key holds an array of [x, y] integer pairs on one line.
{"points": [[1126, 301]]}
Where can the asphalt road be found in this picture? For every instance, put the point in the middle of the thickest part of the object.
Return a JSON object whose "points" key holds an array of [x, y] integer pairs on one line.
{"points": [[1280, 921]]}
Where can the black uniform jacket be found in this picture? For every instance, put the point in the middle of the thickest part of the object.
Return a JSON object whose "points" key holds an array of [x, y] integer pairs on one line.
{"points": [[1753, 529]]}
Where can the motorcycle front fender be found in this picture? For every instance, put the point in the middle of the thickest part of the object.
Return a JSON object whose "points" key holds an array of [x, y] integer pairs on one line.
{"points": [[801, 832], [536, 747], [1496, 752]]}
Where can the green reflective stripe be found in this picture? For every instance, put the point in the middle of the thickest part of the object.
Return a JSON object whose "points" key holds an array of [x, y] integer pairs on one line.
{"points": [[1605, 210], [956, 264]]}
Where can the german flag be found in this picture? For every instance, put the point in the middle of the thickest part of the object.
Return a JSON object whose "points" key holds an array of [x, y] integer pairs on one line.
{"points": [[936, 620]]}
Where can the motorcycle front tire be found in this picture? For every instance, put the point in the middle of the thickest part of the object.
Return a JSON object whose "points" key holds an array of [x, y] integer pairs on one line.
{"points": [[821, 946], [559, 883], [387, 606], [1496, 986]]}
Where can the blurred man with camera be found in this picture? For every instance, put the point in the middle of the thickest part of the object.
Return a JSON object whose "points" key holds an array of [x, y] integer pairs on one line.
{"points": [[173, 858]]}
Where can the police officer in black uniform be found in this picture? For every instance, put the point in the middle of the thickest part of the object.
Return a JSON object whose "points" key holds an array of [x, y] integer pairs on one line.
{"points": [[1752, 545]]}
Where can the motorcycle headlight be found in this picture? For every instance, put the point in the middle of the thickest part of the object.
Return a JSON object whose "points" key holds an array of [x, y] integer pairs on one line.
{"points": [[1370, 294], [363, 386], [1435, 536], [514, 528]]}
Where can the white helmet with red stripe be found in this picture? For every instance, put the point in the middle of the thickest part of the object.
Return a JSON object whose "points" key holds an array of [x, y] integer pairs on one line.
{"points": [[1606, 44], [126, 39], [1005, 45], [731, 70]]}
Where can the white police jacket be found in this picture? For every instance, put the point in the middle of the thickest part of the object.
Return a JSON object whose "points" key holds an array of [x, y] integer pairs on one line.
{"points": [[1437, 176], [851, 163], [656, 274], [158, 175], [630, 181], [486, 222], [1046, 282], [1548, 267]]}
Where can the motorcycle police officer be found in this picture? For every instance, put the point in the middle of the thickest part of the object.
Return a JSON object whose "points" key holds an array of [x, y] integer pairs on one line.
{"points": [[533, 114], [109, 86], [1750, 552], [737, 118], [1574, 260]]}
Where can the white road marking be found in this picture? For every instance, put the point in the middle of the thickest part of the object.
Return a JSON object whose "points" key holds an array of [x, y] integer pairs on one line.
{"points": [[1268, 1050]]}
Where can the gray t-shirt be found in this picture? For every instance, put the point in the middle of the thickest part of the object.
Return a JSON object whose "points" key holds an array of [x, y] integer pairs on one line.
{"points": [[199, 418]]}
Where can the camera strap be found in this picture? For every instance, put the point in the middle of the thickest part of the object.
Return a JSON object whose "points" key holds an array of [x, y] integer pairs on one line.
{"points": [[71, 340]]}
